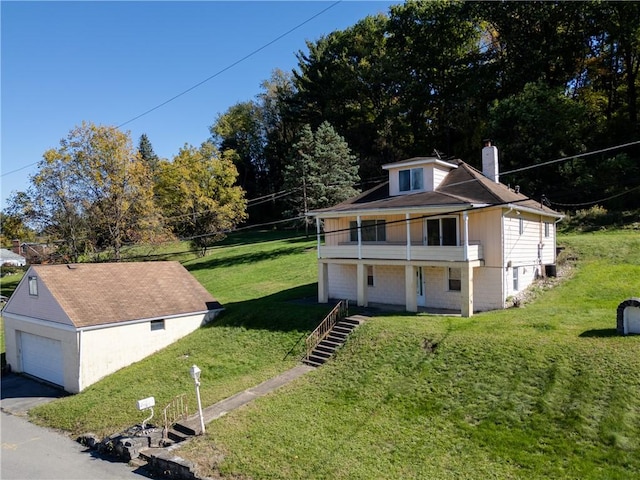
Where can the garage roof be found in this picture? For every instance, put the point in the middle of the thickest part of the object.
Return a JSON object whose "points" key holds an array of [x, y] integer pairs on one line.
{"points": [[93, 294]]}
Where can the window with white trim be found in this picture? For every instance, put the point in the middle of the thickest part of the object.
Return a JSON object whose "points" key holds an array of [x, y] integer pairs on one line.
{"points": [[520, 225], [372, 231], [442, 231], [455, 279], [516, 278], [410, 180], [547, 229]]}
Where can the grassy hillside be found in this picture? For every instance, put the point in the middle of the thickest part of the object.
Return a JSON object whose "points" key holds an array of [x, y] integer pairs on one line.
{"points": [[542, 391]]}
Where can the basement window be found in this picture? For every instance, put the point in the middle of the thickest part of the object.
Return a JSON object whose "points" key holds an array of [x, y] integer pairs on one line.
{"points": [[157, 325], [455, 279], [33, 286]]}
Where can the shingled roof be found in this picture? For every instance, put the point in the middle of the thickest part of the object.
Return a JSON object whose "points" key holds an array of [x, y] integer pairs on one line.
{"points": [[462, 187], [103, 293]]}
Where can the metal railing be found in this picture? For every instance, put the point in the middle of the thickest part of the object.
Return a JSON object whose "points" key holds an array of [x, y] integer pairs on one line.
{"points": [[340, 311], [175, 411]]}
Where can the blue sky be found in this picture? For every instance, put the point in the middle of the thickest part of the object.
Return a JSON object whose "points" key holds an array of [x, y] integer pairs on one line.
{"points": [[108, 62]]}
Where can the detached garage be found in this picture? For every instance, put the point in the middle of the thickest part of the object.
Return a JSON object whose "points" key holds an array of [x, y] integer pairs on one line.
{"points": [[72, 325]]}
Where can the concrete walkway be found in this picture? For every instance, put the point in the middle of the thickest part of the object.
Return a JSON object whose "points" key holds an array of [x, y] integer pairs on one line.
{"points": [[219, 409], [163, 460]]}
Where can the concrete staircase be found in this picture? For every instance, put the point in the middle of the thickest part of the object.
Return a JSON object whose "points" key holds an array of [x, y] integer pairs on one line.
{"points": [[333, 340]]}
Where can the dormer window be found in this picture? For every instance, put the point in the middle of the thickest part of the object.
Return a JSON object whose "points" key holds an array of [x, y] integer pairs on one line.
{"points": [[419, 174], [411, 179]]}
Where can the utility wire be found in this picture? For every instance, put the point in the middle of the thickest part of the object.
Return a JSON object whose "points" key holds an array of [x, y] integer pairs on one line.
{"points": [[228, 67], [218, 73]]}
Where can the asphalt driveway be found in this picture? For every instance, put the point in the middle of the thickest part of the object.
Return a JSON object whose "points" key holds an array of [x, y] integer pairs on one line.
{"points": [[19, 394]]}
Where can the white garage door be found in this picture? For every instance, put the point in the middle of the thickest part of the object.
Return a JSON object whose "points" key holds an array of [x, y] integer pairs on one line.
{"points": [[42, 357]]}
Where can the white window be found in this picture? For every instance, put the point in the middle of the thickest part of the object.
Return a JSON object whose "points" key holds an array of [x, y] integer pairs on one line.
{"points": [[516, 275], [372, 231], [157, 325], [33, 286], [442, 231], [455, 279], [410, 180], [521, 225], [546, 229], [370, 280]]}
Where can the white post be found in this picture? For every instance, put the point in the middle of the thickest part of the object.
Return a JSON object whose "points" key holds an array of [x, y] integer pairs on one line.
{"points": [[406, 219], [195, 374], [359, 222], [465, 216], [318, 234]]}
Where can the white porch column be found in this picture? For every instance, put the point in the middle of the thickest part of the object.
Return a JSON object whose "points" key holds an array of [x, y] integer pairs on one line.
{"points": [[362, 285], [411, 290], [359, 222], [408, 224], [465, 217], [466, 290], [323, 282], [318, 234]]}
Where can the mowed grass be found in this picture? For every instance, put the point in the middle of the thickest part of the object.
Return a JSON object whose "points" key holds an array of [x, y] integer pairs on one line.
{"points": [[547, 390], [544, 391]]}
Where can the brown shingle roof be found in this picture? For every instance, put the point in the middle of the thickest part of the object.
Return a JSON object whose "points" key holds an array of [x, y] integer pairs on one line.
{"points": [[102, 293], [461, 187]]}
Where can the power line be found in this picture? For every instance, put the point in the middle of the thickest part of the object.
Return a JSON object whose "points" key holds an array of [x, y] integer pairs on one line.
{"points": [[218, 73], [228, 67], [602, 200]]}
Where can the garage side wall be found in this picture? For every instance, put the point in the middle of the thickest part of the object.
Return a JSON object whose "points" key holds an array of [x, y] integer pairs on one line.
{"points": [[106, 350]]}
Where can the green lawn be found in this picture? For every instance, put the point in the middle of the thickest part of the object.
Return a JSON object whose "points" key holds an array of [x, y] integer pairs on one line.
{"points": [[542, 391]]}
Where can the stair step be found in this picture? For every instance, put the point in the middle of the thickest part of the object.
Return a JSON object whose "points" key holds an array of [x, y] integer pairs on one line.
{"points": [[315, 359], [178, 436], [330, 343], [355, 320], [336, 339], [184, 428], [321, 353], [341, 329], [312, 363], [325, 348]]}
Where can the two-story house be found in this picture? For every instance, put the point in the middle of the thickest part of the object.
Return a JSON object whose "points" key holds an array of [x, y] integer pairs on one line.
{"points": [[437, 235]]}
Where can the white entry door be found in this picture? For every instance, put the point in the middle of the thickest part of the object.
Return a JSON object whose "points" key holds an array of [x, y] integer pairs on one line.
{"points": [[42, 357], [420, 287]]}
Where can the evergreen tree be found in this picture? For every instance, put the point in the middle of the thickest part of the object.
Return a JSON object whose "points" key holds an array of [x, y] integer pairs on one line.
{"points": [[322, 172], [147, 155]]}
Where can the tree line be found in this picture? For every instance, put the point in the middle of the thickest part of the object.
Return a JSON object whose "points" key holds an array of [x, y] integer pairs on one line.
{"points": [[543, 80]]}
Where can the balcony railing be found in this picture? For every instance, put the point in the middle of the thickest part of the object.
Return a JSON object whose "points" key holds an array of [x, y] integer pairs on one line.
{"points": [[398, 251]]}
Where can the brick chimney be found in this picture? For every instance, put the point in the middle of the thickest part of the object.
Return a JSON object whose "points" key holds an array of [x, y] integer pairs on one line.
{"points": [[16, 247], [490, 161]]}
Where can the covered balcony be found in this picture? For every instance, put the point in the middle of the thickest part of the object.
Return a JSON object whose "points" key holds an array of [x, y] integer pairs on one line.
{"points": [[442, 238]]}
